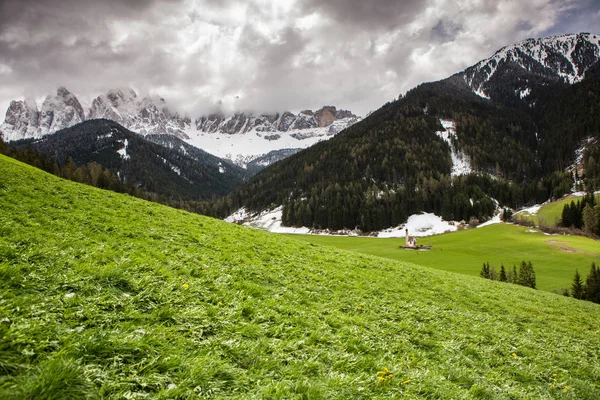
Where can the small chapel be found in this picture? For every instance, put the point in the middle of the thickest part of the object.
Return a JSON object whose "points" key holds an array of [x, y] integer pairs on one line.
{"points": [[411, 241]]}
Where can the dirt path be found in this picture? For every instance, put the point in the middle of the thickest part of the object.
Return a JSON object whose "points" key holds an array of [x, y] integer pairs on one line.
{"points": [[560, 245]]}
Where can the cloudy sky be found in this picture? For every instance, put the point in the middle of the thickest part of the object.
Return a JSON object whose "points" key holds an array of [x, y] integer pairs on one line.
{"points": [[262, 55]]}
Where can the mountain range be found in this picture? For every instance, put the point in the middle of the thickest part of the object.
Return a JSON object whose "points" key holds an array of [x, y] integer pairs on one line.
{"points": [[241, 137]]}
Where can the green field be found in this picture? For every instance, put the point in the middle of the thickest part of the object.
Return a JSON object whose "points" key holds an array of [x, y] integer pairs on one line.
{"points": [[551, 213], [104, 296], [554, 258]]}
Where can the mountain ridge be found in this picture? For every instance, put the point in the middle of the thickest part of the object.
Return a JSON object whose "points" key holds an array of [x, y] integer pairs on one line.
{"points": [[248, 136], [405, 157], [160, 164]]}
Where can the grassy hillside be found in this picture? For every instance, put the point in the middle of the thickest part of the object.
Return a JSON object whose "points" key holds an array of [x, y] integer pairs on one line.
{"points": [[554, 258], [107, 296], [551, 213]]}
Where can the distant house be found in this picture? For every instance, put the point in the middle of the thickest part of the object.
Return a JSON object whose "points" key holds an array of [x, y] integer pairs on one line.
{"points": [[411, 241]]}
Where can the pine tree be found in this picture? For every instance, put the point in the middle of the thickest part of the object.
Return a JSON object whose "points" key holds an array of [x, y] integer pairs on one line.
{"points": [[577, 288], [515, 275], [485, 271], [565, 216], [502, 276], [526, 275], [592, 284]]}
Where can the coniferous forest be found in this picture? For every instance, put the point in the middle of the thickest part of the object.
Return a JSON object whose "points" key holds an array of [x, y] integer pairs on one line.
{"points": [[392, 164]]}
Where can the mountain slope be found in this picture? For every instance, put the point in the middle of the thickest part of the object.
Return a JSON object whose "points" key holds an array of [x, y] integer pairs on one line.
{"points": [[171, 168], [109, 296], [406, 157]]}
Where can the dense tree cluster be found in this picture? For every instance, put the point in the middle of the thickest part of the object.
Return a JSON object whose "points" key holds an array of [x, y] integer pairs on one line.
{"points": [[583, 214], [590, 290], [525, 276]]}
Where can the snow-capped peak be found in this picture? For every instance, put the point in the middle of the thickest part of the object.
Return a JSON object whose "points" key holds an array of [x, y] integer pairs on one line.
{"points": [[563, 58]]}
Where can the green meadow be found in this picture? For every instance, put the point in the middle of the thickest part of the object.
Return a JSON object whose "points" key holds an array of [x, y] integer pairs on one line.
{"points": [[551, 213], [554, 257], [104, 296]]}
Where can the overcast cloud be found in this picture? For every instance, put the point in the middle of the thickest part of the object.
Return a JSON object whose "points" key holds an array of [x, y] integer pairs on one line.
{"points": [[262, 55]]}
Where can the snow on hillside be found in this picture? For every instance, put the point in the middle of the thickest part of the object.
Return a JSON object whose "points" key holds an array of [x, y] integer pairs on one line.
{"points": [[420, 225], [461, 164], [243, 148], [269, 220]]}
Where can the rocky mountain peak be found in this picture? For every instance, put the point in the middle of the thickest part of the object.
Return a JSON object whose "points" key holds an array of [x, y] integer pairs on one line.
{"points": [[564, 58]]}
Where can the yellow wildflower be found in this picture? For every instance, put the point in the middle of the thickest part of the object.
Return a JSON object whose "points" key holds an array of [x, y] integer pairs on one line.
{"points": [[554, 374], [185, 286], [553, 386], [515, 355], [219, 304], [566, 388], [406, 382]]}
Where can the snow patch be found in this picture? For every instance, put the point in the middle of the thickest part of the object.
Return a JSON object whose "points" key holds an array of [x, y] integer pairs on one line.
{"points": [[530, 210], [481, 93], [420, 225], [461, 164], [123, 151], [269, 220], [495, 220], [524, 93]]}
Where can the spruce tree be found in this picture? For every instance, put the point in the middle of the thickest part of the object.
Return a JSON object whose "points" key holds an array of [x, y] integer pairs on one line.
{"points": [[526, 275], [515, 275], [532, 283], [592, 285], [565, 216], [577, 288], [485, 271], [502, 276]]}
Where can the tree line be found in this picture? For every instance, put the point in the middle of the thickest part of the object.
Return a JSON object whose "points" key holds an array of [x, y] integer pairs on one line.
{"points": [[525, 276], [583, 214], [588, 290]]}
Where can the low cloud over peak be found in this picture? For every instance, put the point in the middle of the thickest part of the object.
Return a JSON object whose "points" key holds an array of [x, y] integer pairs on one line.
{"points": [[261, 55]]}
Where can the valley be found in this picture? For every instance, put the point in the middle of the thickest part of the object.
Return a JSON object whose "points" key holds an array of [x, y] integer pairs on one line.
{"points": [[554, 257]]}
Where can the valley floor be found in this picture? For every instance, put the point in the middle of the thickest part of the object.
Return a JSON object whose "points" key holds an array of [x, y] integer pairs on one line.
{"points": [[555, 257]]}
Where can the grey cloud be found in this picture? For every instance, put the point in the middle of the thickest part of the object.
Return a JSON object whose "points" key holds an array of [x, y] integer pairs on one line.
{"points": [[372, 15], [356, 55], [445, 31]]}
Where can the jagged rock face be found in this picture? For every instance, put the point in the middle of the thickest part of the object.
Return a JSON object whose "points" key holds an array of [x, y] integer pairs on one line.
{"points": [[151, 116], [145, 116], [563, 59], [241, 123], [59, 111], [22, 120], [325, 116]]}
